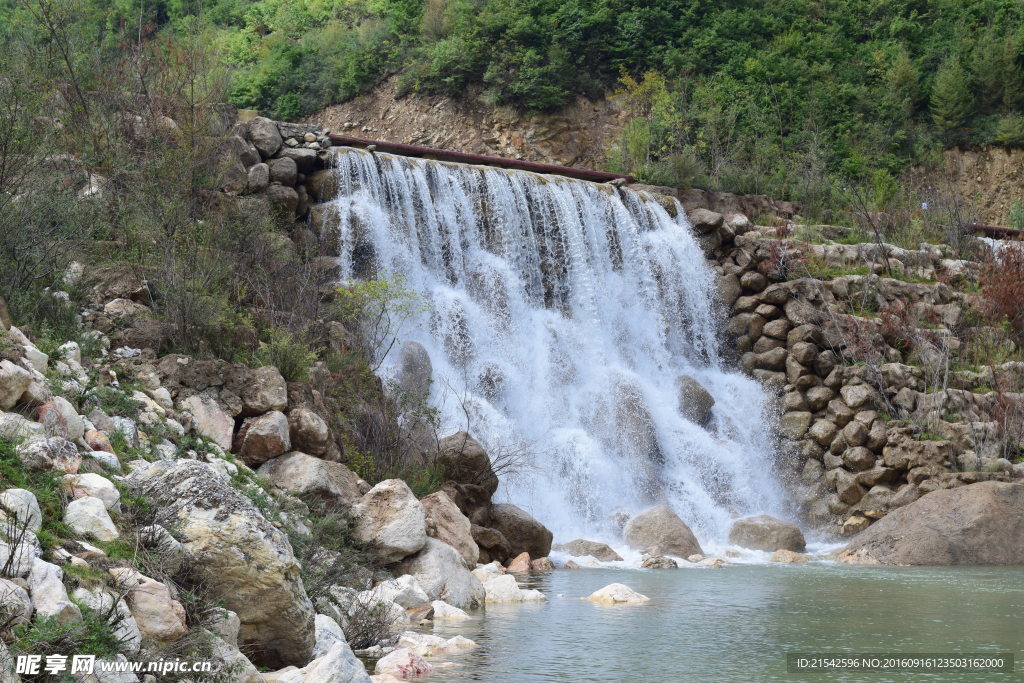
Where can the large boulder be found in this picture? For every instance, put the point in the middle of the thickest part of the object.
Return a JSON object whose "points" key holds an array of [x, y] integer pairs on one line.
{"points": [[762, 532], [464, 460], [61, 418], [390, 520], [49, 597], [303, 475], [87, 516], [20, 507], [265, 136], [524, 533], [660, 531], [241, 557], [492, 544], [209, 419], [56, 454], [582, 548], [159, 616], [14, 381], [309, 433], [91, 484], [446, 523], [263, 438], [264, 390], [442, 573], [695, 402], [980, 524]]}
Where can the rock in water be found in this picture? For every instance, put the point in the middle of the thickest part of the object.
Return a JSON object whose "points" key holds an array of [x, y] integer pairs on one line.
{"points": [[581, 547], [980, 524], [238, 554], [769, 534], [659, 531], [524, 533], [520, 564], [695, 403], [445, 612], [658, 562], [403, 663], [788, 557], [617, 594]]}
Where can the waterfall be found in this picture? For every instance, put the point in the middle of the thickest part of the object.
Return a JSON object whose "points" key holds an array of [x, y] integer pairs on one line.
{"points": [[562, 315]]}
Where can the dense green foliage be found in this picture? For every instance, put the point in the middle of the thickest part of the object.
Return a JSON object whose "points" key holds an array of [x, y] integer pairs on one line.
{"points": [[768, 95]]}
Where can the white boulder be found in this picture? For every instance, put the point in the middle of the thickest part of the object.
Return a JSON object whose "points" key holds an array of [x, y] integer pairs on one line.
{"points": [[88, 516], [49, 597], [617, 594], [445, 612], [23, 507], [90, 484], [505, 588], [390, 520], [403, 663], [14, 381], [440, 571]]}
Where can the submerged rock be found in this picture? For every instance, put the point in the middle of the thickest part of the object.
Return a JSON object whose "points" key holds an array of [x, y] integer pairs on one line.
{"points": [[505, 588], [617, 594], [788, 557]]}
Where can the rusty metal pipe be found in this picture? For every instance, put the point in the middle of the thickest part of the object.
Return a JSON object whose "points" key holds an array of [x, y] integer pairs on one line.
{"points": [[479, 159], [994, 231]]}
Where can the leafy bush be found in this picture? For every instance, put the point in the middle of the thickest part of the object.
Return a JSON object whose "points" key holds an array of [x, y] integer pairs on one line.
{"points": [[292, 356]]}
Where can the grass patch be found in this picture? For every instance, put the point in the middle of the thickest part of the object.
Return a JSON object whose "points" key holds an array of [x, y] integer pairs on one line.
{"points": [[45, 486]]}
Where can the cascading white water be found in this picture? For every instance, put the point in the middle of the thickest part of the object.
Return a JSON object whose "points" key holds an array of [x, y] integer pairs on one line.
{"points": [[561, 315]]}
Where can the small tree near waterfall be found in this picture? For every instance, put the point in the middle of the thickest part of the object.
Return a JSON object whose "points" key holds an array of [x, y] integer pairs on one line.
{"points": [[376, 310]]}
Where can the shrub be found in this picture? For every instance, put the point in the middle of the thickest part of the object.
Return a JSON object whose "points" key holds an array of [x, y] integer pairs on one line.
{"points": [[1002, 281], [291, 355]]}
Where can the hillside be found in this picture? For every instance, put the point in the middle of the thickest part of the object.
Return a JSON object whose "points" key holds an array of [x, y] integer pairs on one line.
{"points": [[792, 99]]}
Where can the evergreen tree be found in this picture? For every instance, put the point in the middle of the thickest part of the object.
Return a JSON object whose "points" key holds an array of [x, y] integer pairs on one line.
{"points": [[951, 101]]}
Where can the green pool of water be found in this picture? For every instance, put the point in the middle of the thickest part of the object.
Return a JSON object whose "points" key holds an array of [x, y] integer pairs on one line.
{"points": [[739, 623]]}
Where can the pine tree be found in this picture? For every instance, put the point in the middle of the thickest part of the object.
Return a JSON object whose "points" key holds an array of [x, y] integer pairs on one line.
{"points": [[951, 101]]}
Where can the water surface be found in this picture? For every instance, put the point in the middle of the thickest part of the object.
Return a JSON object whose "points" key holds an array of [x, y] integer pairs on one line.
{"points": [[738, 623]]}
